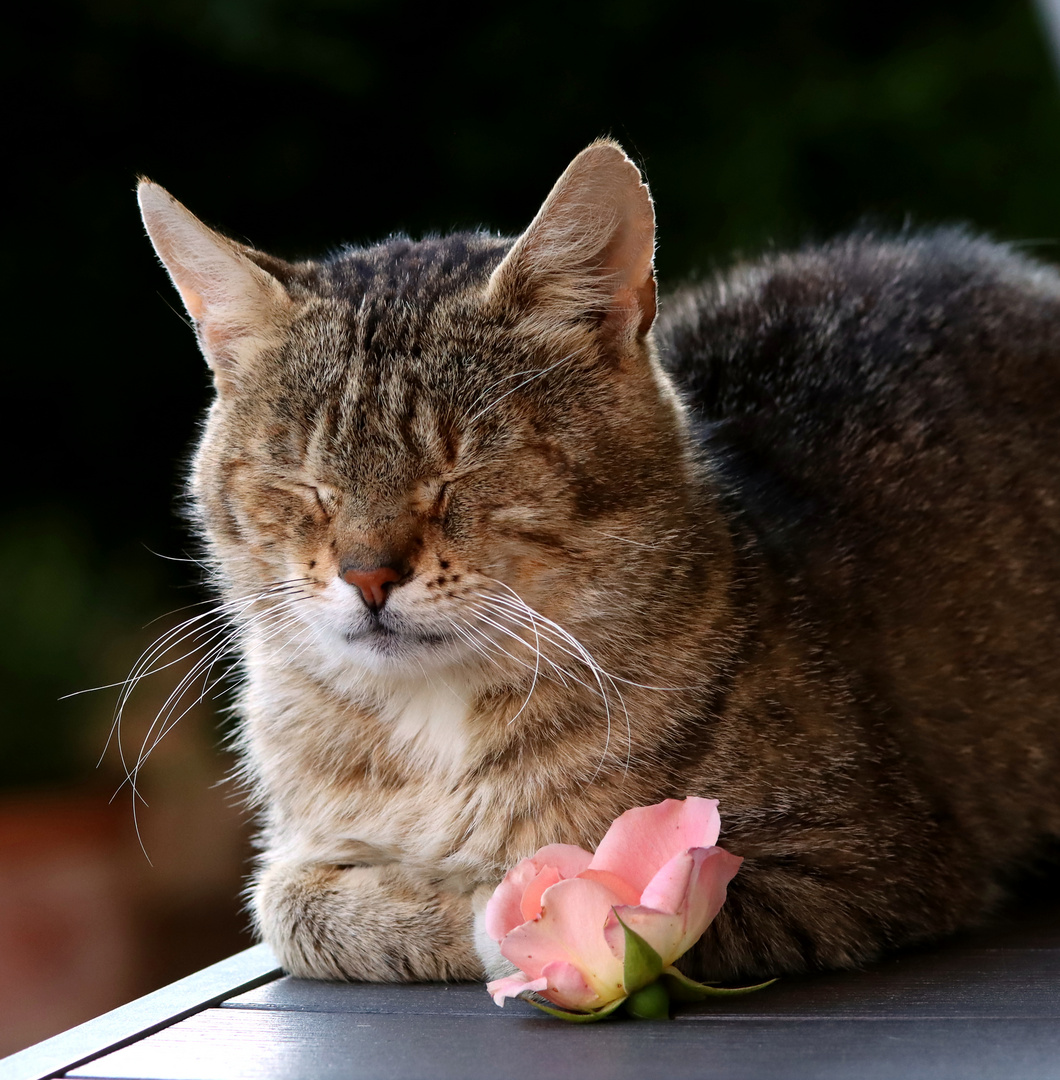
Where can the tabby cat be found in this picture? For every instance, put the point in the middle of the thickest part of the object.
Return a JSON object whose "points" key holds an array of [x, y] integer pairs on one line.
{"points": [[507, 551]]}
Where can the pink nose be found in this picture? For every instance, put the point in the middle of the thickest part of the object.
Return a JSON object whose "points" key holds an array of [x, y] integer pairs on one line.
{"points": [[372, 583]]}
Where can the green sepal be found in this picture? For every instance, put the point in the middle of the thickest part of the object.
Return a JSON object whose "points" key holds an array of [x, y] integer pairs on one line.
{"points": [[682, 988], [642, 965], [577, 1017], [650, 1002]]}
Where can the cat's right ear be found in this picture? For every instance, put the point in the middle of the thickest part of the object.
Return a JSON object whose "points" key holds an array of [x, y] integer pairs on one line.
{"points": [[239, 308]]}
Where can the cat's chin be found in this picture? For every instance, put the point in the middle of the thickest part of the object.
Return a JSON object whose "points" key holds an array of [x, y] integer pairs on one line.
{"points": [[385, 640], [392, 652]]}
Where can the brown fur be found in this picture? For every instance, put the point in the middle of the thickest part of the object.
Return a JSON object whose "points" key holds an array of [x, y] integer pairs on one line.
{"points": [[794, 549]]}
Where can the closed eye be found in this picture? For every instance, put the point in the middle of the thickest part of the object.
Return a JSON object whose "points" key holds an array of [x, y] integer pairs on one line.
{"points": [[322, 499], [325, 500]]}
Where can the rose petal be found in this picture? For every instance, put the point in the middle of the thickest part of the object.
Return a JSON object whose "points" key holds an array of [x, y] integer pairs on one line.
{"points": [[668, 889], [569, 859], [512, 986], [705, 874], [570, 930], [715, 868], [567, 987], [530, 904], [504, 907], [663, 932], [621, 888], [645, 838]]}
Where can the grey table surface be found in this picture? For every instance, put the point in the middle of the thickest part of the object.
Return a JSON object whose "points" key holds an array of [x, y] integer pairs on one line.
{"points": [[981, 1006]]}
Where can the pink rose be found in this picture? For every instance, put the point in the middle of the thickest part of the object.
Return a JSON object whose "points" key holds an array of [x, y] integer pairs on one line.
{"points": [[556, 915]]}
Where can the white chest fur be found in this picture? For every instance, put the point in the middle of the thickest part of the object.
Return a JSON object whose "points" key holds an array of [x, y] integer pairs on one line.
{"points": [[428, 723], [301, 736]]}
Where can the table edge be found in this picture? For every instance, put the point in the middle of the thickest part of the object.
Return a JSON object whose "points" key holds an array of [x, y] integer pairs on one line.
{"points": [[234, 975]]}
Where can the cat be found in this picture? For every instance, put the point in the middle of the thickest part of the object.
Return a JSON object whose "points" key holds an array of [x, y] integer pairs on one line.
{"points": [[506, 552]]}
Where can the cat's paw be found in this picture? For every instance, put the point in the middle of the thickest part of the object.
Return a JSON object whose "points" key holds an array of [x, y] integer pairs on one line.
{"points": [[300, 915], [363, 923]]}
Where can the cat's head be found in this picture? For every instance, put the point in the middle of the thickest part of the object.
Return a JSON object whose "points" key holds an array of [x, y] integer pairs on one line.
{"points": [[447, 449]]}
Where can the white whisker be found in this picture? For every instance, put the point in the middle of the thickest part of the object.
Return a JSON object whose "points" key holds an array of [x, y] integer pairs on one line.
{"points": [[517, 621], [579, 650], [518, 606], [214, 635]]}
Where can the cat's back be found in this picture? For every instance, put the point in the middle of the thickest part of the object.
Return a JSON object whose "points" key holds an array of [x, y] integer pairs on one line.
{"points": [[871, 331], [918, 375], [883, 417]]}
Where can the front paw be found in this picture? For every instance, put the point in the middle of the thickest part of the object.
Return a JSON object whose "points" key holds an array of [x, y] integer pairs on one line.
{"points": [[298, 910], [365, 923]]}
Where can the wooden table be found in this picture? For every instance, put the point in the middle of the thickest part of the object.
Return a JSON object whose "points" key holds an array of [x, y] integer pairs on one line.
{"points": [[982, 1006]]}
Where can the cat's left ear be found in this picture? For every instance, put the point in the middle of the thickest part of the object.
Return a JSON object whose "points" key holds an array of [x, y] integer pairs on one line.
{"points": [[590, 249], [238, 306]]}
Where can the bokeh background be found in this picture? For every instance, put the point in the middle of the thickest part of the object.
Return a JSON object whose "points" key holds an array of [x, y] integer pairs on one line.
{"points": [[299, 125]]}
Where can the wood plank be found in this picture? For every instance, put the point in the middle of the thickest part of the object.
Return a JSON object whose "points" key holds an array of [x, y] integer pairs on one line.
{"points": [[1001, 985], [246, 969], [1017, 984], [414, 999], [970, 983], [242, 1044]]}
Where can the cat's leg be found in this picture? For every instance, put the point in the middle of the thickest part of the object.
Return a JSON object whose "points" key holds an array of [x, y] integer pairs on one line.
{"points": [[372, 923]]}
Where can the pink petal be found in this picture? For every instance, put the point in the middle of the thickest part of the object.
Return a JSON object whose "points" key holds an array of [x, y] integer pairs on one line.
{"points": [[643, 839], [668, 889], [512, 986], [621, 888], [661, 931], [715, 868], [504, 907], [704, 873], [530, 904], [569, 859], [570, 930], [567, 987]]}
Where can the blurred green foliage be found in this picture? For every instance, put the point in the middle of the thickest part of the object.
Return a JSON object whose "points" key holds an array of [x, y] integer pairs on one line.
{"points": [[301, 124]]}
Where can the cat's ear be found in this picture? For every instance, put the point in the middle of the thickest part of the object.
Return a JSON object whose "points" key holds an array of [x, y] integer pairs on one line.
{"points": [[590, 248], [239, 307]]}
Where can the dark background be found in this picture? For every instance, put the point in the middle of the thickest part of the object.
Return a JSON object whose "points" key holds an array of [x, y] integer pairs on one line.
{"points": [[302, 124]]}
